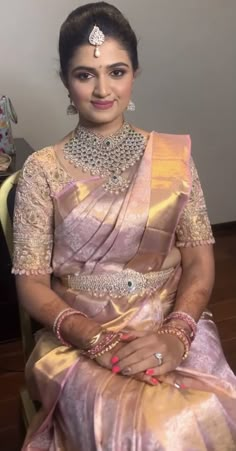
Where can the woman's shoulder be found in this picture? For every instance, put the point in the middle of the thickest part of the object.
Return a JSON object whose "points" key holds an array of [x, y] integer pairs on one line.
{"points": [[177, 141], [37, 165], [163, 134], [42, 156]]}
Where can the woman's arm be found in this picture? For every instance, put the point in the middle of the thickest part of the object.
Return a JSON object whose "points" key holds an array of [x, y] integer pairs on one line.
{"points": [[197, 280], [43, 304], [33, 246]]}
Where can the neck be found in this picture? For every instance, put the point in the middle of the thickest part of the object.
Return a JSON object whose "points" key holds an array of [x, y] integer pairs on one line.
{"points": [[106, 129]]}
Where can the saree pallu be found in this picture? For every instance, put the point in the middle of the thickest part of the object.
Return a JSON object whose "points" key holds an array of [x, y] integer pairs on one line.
{"points": [[86, 407]]}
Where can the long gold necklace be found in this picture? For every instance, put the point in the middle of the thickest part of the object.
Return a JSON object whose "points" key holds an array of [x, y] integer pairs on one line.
{"points": [[106, 157]]}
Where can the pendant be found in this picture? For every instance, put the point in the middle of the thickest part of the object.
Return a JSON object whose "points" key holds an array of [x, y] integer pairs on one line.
{"points": [[116, 184]]}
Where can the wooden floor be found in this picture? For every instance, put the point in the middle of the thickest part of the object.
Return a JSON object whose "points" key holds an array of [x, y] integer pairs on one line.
{"points": [[223, 305]]}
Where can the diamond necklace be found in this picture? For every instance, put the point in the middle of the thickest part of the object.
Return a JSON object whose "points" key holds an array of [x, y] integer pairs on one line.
{"points": [[106, 156]]}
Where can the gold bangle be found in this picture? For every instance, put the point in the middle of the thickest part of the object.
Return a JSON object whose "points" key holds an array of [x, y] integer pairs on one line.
{"points": [[179, 333], [94, 340], [107, 349]]}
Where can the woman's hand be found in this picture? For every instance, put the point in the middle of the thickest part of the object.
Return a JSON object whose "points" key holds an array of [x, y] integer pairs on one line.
{"points": [[106, 361], [138, 356]]}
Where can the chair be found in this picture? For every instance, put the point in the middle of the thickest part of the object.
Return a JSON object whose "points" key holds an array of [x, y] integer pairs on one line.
{"points": [[7, 196]]}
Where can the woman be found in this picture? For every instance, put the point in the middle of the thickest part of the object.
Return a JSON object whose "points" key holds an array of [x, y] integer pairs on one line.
{"points": [[129, 358]]}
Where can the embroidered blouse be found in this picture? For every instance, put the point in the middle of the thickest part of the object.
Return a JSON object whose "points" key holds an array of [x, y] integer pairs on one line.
{"points": [[42, 177]]}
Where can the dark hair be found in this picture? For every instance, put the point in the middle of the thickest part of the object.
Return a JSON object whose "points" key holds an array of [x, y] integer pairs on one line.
{"points": [[79, 24]]}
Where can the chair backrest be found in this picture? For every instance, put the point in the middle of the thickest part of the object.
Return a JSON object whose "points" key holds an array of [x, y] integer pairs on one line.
{"points": [[5, 218], [7, 196]]}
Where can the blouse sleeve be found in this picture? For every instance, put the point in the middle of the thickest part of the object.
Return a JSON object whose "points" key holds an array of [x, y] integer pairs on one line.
{"points": [[194, 227], [33, 221]]}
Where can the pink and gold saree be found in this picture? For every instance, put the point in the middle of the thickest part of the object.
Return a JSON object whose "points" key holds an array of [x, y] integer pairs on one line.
{"points": [[69, 227]]}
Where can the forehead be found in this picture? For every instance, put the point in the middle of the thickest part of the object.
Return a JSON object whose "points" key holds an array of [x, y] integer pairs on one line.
{"points": [[111, 52]]}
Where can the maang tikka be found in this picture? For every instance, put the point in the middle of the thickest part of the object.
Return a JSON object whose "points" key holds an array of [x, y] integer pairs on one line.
{"points": [[96, 38]]}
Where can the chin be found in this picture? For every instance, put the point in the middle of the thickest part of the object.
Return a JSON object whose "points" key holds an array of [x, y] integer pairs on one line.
{"points": [[103, 117]]}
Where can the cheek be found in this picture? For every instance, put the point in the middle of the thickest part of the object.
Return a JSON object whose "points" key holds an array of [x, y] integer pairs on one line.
{"points": [[125, 89], [80, 92]]}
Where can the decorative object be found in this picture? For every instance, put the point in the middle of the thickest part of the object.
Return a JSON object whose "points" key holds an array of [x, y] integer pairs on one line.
{"points": [[7, 114], [106, 156], [182, 316], [131, 106], [60, 319], [159, 357], [96, 38], [5, 161], [71, 109], [180, 334]]}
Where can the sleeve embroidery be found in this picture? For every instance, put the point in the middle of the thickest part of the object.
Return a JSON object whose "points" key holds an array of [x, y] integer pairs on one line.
{"points": [[33, 221], [194, 228]]}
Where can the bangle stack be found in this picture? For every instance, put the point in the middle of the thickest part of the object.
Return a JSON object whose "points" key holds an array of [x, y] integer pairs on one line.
{"points": [[93, 341], [106, 341], [180, 334], [60, 319], [100, 343], [189, 320]]}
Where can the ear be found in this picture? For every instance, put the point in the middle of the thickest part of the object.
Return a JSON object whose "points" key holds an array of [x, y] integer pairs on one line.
{"points": [[136, 73]]}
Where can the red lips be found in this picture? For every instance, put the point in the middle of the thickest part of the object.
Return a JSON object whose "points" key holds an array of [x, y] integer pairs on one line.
{"points": [[102, 104]]}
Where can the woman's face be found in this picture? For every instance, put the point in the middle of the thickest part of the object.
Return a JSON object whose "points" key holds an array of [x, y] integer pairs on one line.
{"points": [[100, 88]]}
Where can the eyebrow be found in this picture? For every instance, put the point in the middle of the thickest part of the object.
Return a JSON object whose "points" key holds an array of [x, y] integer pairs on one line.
{"points": [[93, 69]]}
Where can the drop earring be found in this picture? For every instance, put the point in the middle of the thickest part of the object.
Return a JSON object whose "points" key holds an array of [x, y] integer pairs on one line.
{"points": [[71, 109], [131, 106]]}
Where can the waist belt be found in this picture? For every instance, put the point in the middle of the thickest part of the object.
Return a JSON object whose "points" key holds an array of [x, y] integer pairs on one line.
{"points": [[117, 284]]}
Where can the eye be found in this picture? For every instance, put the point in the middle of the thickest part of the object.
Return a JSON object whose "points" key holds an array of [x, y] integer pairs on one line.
{"points": [[117, 73], [84, 76]]}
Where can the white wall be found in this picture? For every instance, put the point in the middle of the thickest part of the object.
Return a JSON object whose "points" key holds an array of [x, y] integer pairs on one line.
{"points": [[187, 83]]}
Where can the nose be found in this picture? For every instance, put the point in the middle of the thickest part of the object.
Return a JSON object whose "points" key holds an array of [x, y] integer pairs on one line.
{"points": [[102, 87]]}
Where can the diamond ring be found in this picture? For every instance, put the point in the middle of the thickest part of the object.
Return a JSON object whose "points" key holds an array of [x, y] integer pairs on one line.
{"points": [[159, 357]]}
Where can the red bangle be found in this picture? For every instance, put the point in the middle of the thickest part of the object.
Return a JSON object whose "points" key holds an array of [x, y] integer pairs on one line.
{"points": [[189, 320], [108, 341], [180, 334], [59, 320]]}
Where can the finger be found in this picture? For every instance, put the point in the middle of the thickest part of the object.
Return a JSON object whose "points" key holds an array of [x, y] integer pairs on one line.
{"points": [[147, 379], [132, 335], [129, 366], [136, 363], [164, 369], [134, 346], [127, 338], [133, 360], [173, 379], [151, 380]]}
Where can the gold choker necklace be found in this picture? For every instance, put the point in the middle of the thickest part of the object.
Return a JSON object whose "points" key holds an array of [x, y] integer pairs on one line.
{"points": [[106, 156]]}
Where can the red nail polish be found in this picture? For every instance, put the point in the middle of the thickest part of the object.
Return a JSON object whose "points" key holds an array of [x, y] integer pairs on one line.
{"points": [[149, 372], [114, 359], [127, 337], [154, 381], [115, 369]]}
